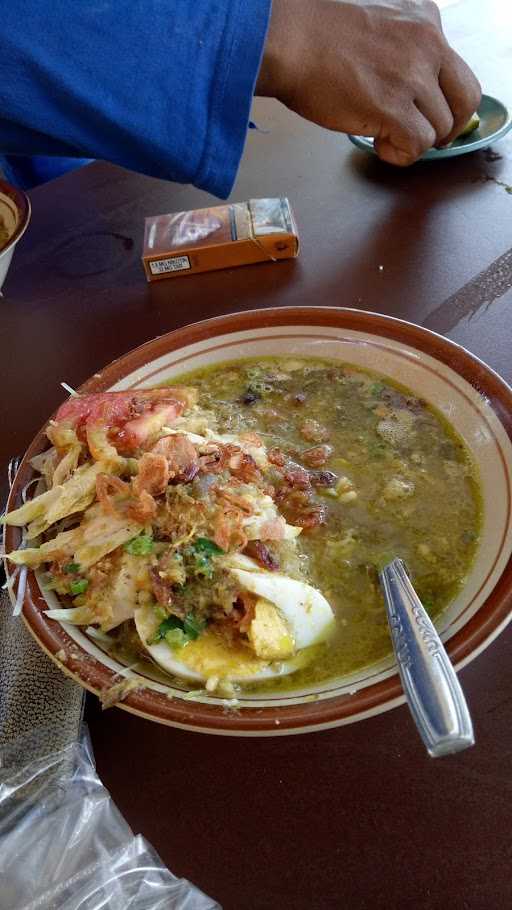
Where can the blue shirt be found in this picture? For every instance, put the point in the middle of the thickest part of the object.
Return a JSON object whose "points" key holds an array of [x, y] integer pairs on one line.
{"points": [[158, 86]]}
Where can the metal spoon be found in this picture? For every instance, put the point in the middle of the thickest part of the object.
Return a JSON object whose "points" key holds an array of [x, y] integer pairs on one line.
{"points": [[430, 683]]}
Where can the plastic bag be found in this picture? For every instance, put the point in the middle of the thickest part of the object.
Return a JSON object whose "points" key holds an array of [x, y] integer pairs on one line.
{"points": [[64, 845]]}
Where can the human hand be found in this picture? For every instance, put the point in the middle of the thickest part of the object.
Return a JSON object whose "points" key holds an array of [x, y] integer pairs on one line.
{"points": [[381, 69]]}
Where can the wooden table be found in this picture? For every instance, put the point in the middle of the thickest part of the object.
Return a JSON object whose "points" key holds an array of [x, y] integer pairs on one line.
{"points": [[357, 817]]}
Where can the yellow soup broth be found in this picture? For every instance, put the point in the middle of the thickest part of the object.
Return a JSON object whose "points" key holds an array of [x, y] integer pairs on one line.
{"points": [[404, 485]]}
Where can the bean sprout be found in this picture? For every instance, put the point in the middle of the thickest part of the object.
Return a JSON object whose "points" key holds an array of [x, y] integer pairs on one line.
{"points": [[20, 595], [71, 391]]}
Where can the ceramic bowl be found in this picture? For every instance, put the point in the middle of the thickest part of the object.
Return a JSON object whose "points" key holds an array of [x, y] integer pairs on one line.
{"points": [[15, 216], [476, 401]]}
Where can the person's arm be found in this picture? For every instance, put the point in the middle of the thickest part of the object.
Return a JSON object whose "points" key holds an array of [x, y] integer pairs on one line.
{"points": [[159, 86], [380, 68], [165, 86]]}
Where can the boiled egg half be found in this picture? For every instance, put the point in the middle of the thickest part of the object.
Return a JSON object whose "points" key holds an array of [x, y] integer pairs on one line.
{"points": [[290, 618]]}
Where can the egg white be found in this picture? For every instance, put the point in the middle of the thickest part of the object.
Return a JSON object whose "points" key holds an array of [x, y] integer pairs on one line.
{"points": [[308, 616], [209, 656]]}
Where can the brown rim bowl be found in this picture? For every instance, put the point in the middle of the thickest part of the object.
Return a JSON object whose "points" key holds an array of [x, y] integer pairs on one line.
{"points": [[479, 404]]}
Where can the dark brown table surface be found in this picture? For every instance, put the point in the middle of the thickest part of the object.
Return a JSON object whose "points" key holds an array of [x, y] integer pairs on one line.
{"points": [[356, 817]]}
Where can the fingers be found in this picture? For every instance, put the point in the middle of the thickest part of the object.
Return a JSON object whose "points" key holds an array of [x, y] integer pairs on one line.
{"points": [[462, 91], [406, 139], [439, 116], [435, 109]]}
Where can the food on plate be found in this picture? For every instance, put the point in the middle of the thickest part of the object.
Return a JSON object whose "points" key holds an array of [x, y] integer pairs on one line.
{"points": [[229, 529], [472, 125]]}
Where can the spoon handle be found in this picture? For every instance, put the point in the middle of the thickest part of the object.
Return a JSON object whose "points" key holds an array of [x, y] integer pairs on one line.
{"points": [[430, 683]]}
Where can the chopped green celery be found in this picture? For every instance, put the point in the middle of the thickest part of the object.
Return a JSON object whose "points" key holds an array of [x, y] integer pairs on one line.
{"points": [[204, 545], [254, 373], [171, 622], [203, 566], [257, 380], [203, 550], [140, 546], [189, 629], [78, 586], [72, 568], [176, 638], [192, 626]]}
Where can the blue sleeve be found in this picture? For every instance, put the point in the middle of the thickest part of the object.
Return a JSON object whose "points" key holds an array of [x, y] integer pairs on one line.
{"points": [[158, 86]]}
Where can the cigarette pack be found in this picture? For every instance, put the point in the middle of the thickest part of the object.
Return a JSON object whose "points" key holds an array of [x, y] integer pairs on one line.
{"points": [[239, 233]]}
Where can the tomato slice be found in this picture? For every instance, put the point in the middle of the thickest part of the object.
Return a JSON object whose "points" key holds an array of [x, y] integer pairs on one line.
{"points": [[133, 417], [108, 408]]}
